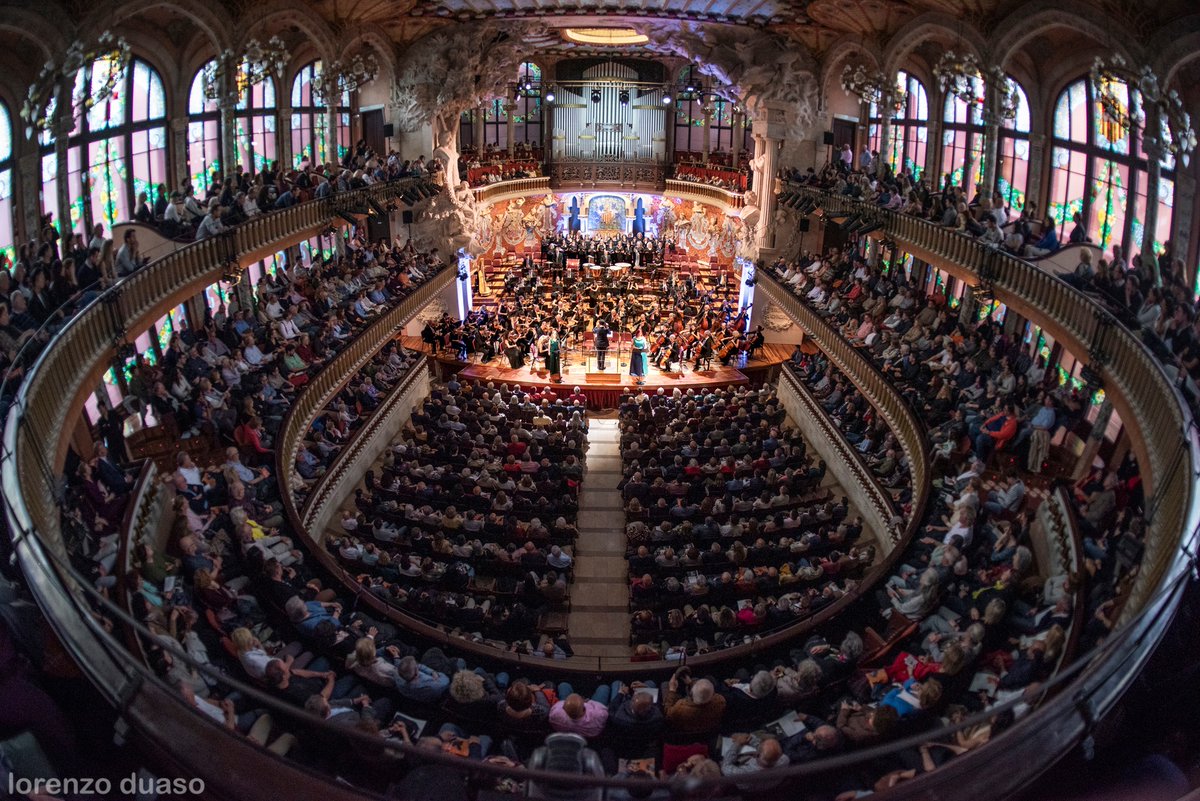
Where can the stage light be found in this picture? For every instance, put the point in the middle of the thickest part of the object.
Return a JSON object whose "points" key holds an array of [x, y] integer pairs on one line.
{"points": [[624, 97], [549, 97], [666, 97], [595, 95]]}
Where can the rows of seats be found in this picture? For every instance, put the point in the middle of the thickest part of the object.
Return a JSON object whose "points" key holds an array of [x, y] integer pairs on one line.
{"points": [[728, 531], [471, 520]]}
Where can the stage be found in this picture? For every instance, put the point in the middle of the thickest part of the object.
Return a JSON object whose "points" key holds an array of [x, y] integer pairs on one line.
{"points": [[604, 393]]}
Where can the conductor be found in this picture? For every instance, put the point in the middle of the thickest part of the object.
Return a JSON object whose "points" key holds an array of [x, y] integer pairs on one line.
{"points": [[600, 340]]}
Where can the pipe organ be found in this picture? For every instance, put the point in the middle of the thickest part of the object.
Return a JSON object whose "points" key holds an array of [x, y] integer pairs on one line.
{"points": [[609, 116]]}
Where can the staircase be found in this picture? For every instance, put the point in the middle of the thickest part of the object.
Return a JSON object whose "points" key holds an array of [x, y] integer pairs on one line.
{"points": [[599, 620]]}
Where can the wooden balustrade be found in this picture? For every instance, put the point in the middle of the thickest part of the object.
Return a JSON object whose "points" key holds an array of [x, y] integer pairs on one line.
{"points": [[728, 199], [489, 193]]}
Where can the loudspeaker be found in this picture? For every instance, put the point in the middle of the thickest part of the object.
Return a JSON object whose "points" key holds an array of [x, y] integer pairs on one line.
{"points": [[378, 228], [389, 130], [406, 217], [829, 137], [804, 225]]}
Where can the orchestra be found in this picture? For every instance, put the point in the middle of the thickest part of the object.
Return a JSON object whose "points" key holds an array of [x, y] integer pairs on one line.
{"points": [[685, 323]]}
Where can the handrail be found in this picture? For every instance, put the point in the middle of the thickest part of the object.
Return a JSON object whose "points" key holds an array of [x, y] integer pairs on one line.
{"points": [[729, 198], [1149, 403], [489, 193]]}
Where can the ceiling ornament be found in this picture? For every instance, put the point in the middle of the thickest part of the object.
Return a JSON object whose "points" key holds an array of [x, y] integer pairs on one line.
{"points": [[112, 51], [451, 70], [1174, 124], [759, 68]]}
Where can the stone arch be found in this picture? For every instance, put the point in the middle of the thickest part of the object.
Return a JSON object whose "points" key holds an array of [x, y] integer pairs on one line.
{"points": [[52, 40], [842, 52], [215, 27], [357, 38], [1174, 47], [267, 19], [930, 26], [1035, 18]]}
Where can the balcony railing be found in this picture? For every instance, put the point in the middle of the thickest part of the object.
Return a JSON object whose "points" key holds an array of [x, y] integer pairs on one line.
{"points": [[726, 198]]}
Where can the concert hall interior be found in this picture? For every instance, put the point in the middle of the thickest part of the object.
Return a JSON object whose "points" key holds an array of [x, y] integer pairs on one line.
{"points": [[570, 400]]}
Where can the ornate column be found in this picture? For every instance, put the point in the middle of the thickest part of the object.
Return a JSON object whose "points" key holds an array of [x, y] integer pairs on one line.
{"points": [[29, 167], [511, 127], [705, 129], [1037, 161], [886, 112], [63, 122], [736, 146], [478, 130], [227, 106], [769, 131], [669, 132], [179, 151], [1152, 144], [991, 133], [331, 135]]}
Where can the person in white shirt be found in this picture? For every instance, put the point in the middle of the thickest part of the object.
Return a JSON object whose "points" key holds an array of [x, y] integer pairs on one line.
{"points": [[287, 327], [249, 206], [211, 225], [129, 257]]}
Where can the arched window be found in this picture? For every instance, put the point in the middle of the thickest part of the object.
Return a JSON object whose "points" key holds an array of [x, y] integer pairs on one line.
{"points": [[116, 151], [1012, 172], [527, 117], [204, 131], [910, 126], [689, 122], [6, 188], [962, 138], [310, 120], [256, 126], [1098, 167]]}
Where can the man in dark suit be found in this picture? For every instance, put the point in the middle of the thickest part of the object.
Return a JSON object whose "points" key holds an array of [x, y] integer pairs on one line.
{"points": [[109, 471], [600, 339]]}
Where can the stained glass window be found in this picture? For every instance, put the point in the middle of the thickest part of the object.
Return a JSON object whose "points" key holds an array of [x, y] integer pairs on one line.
{"points": [[963, 138], [1012, 171], [117, 150], [255, 126], [310, 120], [204, 131], [908, 149], [7, 254], [1099, 167]]}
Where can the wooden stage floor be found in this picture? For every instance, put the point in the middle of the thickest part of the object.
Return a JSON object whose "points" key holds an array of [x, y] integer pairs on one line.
{"points": [[605, 394]]}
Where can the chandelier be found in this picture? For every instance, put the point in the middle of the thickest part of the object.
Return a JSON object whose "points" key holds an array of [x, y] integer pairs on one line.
{"points": [[1174, 123], [1008, 100], [258, 63], [959, 76], [339, 77], [872, 87], [111, 51]]}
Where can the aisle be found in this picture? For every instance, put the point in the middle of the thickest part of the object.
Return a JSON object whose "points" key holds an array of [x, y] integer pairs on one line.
{"points": [[599, 622]]}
